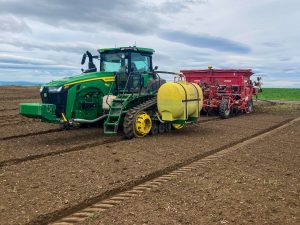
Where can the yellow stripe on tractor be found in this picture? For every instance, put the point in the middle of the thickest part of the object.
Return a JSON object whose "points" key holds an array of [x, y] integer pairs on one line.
{"points": [[105, 79]]}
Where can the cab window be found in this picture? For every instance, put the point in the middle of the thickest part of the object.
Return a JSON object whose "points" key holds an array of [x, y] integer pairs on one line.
{"points": [[140, 62]]}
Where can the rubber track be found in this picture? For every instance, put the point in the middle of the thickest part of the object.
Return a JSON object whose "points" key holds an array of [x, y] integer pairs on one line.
{"points": [[130, 116], [110, 198]]}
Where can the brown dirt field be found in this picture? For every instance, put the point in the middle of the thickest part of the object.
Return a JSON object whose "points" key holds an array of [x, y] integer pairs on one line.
{"points": [[257, 184], [34, 188], [51, 183], [18, 92], [58, 141]]}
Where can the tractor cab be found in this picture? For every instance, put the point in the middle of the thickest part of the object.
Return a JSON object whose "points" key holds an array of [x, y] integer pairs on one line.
{"points": [[133, 68]]}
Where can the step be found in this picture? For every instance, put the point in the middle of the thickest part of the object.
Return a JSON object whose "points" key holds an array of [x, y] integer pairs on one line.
{"points": [[114, 115], [116, 108], [110, 132], [111, 124]]}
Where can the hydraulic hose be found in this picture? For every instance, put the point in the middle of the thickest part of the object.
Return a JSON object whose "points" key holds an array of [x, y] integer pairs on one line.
{"points": [[160, 120], [91, 121]]}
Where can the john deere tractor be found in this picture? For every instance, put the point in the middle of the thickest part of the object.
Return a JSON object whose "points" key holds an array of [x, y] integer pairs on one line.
{"points": [[121, 92]]}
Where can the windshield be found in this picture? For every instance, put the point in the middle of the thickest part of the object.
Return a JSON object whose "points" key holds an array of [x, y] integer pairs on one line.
{"points": [[118, 62], [113, 62], [140, 62]]}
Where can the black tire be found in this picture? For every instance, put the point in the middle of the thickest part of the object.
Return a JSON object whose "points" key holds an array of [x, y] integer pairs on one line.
{"points": [[250, 106], [224, 110], [161, 128]]}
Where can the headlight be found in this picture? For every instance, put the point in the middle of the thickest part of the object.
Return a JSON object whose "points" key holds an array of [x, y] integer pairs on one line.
{"points": [[54, 89], [41, 89]]}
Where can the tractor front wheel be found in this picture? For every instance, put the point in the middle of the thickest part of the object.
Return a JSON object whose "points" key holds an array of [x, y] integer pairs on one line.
{"points": [[224, 109]]}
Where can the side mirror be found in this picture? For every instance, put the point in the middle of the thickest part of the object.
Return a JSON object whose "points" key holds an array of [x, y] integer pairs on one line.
{"points": [[156, 67], [83, 59]]}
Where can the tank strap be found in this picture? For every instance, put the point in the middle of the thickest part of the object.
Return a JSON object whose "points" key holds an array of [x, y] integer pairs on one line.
{"points": [[198, 97], [186, 102]]}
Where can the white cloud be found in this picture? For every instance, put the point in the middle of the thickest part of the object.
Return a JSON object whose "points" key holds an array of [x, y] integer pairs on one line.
{"points": [[12, 24]]}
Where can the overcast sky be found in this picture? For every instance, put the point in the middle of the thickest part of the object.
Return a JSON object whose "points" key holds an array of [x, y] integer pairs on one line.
{"points": [[43, 40]]}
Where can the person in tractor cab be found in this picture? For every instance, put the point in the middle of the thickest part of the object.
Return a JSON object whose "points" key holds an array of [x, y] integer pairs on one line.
{"points": [[133, 67]]}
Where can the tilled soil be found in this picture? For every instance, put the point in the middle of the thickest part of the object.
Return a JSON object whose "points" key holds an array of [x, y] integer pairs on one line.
{"points": [[61, 140], [53, 182], [42, 186], [258, 184], [18, 92]]}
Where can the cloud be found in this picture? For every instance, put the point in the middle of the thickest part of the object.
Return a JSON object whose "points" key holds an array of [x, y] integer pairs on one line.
{"points": [[11, 62], [12, 24], [34, 66], [7, 58], [128, 17], [175, 6], [134, 16], [205, 41], [72, 47], [271, 44]]}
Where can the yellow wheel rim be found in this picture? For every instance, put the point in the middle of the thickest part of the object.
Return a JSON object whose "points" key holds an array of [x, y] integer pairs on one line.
{"points": [[178, 126], [143, 124]]}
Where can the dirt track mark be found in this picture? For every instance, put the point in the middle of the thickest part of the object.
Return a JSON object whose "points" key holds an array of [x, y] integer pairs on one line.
{"points": [[30, 134], [73, 149], [111, 197], [14, 121], [8, 109], [9, 116], [16, 161]]}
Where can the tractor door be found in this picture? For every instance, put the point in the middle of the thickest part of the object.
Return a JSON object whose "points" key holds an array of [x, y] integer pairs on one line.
{"points": [[140, 66]]}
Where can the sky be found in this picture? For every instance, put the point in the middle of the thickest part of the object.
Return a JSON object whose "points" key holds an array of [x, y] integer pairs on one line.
{"points": [[44, 40]]}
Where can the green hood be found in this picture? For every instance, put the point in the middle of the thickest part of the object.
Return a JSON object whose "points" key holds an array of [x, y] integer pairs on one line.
{"points": [[84, 77]]}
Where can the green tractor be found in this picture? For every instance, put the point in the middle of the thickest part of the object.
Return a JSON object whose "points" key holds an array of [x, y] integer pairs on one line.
{"points": [[122, 93]]}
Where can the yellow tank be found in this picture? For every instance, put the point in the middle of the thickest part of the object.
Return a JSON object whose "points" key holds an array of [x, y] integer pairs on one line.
{"points": [[179, 101]]}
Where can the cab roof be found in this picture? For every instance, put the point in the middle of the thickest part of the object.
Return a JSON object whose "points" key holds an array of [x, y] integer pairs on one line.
{"points": [[130, 48]]}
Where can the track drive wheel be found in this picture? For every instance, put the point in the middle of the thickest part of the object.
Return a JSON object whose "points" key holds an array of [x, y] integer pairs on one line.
{"points": [[224, 110], [137, 125]]}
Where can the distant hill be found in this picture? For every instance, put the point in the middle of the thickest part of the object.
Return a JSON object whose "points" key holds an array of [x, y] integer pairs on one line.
{"points": [[19, 83]]}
